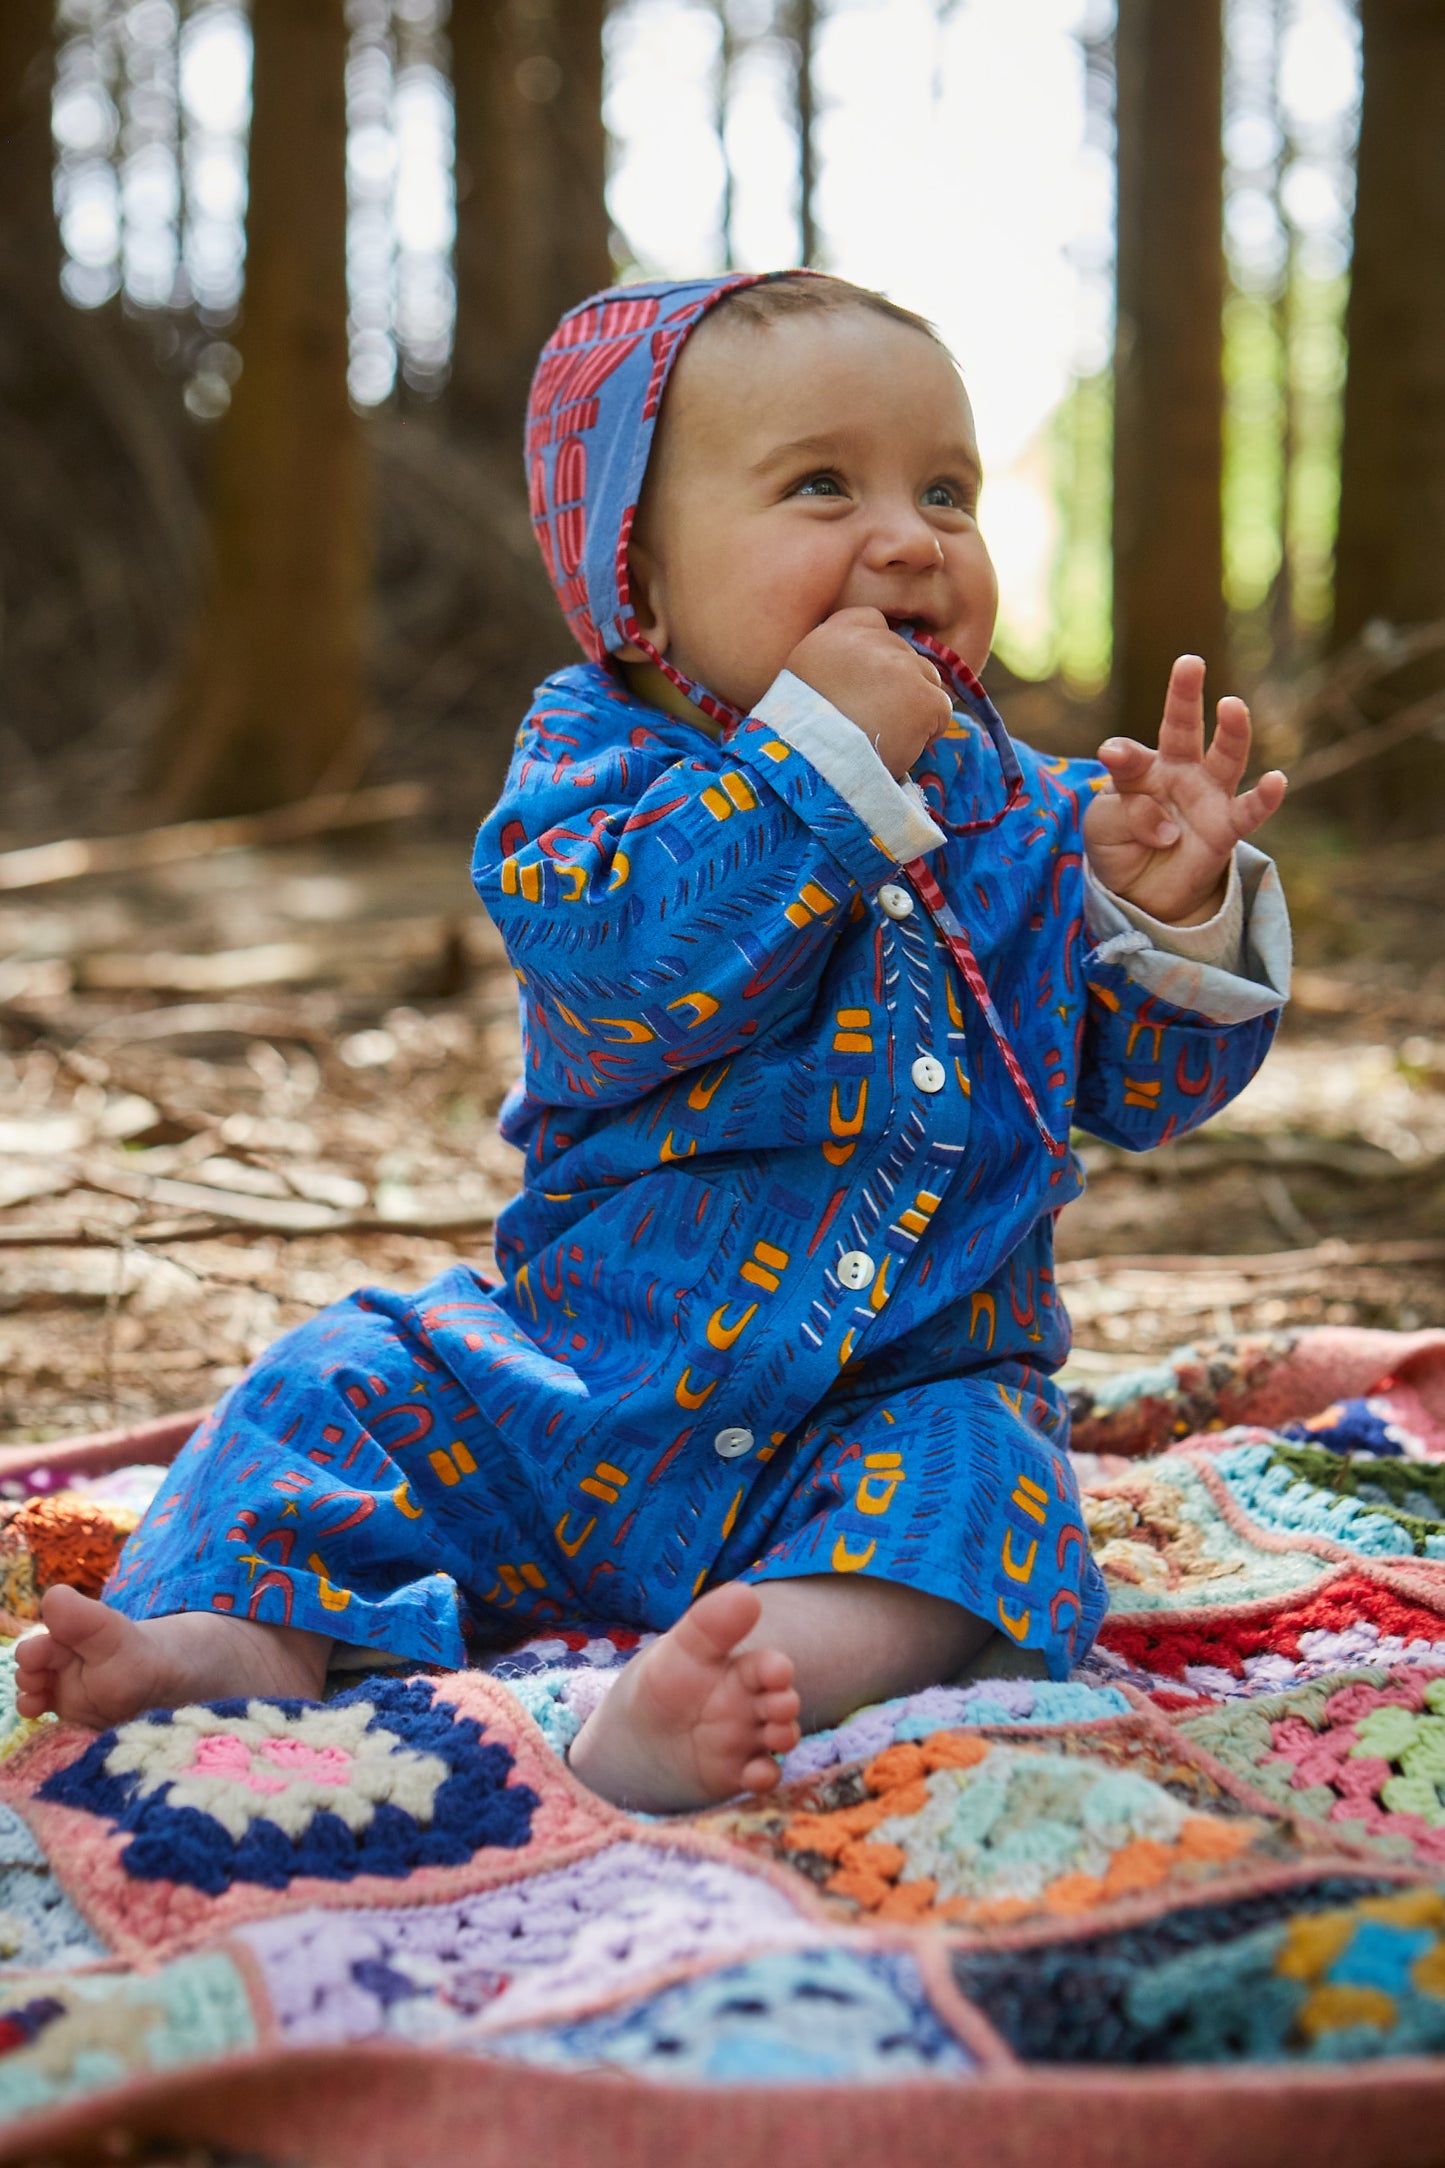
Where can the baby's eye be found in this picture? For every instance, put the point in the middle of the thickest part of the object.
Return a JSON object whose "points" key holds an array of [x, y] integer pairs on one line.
{"points": [[819, 485], [949, 494]]}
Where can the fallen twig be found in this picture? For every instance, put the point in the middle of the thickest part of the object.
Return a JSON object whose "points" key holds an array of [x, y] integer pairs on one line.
{"points": [[149, 1234], [1368, 743], [210, 1019], [289, 963], [1192, 1159], [44, 863], [1269, 1265]]}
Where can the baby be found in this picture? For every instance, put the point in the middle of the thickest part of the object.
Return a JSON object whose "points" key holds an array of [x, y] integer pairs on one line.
{"points": [[817, 971]]}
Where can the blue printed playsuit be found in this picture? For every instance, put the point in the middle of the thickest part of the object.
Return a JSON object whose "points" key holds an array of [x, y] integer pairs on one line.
{"points": [[777, 1297]]}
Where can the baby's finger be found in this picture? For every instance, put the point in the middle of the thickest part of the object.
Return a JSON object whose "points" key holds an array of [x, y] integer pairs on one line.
{"points": [[1228, 754], [1129, 763], [1255, 806], [1181, 733]]}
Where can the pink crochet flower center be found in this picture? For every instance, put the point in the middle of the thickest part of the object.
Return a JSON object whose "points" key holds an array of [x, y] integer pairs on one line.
{"points": [[223, 1754]]}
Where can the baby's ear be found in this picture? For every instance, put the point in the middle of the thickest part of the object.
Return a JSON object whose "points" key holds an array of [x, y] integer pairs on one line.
{"points": [[645, 592]]}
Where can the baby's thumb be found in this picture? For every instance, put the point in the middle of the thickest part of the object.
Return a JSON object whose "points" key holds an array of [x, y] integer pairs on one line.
{"points": [[1127, 761]]}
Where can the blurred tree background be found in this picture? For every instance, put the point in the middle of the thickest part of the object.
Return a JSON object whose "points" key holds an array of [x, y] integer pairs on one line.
{"points": [[272, 279]]}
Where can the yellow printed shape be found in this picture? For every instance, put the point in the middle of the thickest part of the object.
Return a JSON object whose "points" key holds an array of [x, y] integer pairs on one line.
{"points": [[1030, 1499], [703, 1006], [516, 1578], [332, 1599], [764, 1266], [848, 1125], [1136, 1032], [720, 1334], [878, 1487], [706, 1089], [685, 1394], [572, 1545], [1018, 1571], [630, 1030], [605, 1482]]}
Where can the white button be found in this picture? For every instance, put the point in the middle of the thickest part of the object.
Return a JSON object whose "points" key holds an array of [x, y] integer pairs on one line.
{"points": [[732, 1444], [894, 900], [928, 1074], [855, 1268]]}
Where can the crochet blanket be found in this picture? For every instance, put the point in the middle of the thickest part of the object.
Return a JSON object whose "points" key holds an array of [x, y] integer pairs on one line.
{"points": [[1192, 1898]]}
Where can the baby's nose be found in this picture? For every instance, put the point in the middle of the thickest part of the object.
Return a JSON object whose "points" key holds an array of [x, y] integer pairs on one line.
{"points": [[902, 537]]}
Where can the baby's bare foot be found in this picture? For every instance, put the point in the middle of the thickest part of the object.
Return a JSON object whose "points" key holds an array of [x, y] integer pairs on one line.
{"points": [[693, 1718], [95, 1666]]}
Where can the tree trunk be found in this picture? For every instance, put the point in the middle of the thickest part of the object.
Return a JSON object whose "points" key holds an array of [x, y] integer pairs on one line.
{"points": [[1168, 368], [272, 705], [27, 68], [532, 231], [1390, 556], [805, 41]]}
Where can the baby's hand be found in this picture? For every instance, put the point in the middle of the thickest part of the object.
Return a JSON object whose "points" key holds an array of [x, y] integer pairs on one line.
{"points": [[1163, 833], [878, 681]]}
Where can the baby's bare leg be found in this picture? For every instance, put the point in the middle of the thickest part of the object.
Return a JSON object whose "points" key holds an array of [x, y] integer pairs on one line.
{"points": [[93, 1665], [702, 1711]]}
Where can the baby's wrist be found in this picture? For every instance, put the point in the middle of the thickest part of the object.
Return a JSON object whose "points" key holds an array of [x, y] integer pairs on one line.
{"points": [[1202, 913]]}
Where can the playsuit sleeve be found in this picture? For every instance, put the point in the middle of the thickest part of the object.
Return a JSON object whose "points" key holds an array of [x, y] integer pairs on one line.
{"points": [[1172, 1035], [662, 908]]}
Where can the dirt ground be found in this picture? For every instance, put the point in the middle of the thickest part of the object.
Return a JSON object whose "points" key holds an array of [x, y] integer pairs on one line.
{"points": [[237, 1087]]}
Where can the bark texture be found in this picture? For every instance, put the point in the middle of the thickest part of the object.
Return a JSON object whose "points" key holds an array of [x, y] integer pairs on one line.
{"points": [[272, 704], [532, 229], [1390, 557], [1168, 380]]}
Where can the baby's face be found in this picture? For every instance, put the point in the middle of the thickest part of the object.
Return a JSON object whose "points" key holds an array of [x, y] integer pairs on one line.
{"points": [[823, 462]]}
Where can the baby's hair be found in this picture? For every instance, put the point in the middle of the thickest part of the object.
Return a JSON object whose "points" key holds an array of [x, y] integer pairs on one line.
{"points": [[796, 292]]}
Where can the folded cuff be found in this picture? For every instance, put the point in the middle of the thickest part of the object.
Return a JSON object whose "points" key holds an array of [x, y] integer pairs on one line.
{"points": [[1223, 984], [1218, 940], [893, 813]]}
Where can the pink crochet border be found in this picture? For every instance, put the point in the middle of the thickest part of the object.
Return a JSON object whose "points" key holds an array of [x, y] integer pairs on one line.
{"points": [[391, 2106]]}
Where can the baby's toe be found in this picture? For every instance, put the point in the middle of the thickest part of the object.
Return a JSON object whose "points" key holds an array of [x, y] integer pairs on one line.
{"points": [[765, 1671], [760, 1774]]}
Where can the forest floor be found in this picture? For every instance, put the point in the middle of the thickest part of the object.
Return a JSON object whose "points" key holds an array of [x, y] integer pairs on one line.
{"points": [[237, 1087]]}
